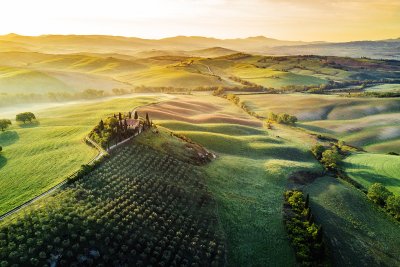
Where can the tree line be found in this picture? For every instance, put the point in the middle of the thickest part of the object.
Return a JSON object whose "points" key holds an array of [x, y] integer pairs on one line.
{"points": [[305, 235]]}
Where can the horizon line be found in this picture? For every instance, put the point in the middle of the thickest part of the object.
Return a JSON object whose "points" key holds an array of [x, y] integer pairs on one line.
{"points": [[195, 36]]}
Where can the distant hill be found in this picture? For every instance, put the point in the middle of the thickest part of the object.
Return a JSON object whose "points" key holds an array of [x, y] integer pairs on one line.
{"points": [[131, 45], [179, 45], [213, 52], [385, 49]]}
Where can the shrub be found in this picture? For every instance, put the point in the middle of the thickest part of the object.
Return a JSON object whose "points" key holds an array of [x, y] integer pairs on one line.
{"points": [[317, 151], [331, 158], [378, 194], [283, 118], [393, 206], [219, 91]]}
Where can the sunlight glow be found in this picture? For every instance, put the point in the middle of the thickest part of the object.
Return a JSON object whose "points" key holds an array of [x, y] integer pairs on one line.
{"points": [[335, 20]]}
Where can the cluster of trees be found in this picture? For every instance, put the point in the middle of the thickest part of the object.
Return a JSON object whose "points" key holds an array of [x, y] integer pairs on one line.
{"points": [[332, 155], [305, 235], [139, 208], [114, 129], [283, 118], [380, 195]]}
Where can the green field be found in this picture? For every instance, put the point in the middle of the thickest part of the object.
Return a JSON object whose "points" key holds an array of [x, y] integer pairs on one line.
{"points": [[39, 156], [69, 73], [370, 168], [247, 178], [370, 123], [358, 233], [384, 88]]}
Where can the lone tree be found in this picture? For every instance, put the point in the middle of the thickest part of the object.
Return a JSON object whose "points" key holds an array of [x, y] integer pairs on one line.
{"points": [[25, 116], [4, 123], [136, 116]]}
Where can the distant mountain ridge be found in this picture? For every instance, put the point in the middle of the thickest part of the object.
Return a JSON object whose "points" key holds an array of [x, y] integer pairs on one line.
{"points": [[385, 49]]}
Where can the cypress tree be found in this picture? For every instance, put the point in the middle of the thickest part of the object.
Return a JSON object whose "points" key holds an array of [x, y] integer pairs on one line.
{"points": [[308, 214], [101, 125], [136, 115], [119, 116], [147, 119], [130, 115]]}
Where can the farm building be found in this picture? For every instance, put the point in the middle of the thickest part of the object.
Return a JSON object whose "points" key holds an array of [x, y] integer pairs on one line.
{"points": [[132, 123]]}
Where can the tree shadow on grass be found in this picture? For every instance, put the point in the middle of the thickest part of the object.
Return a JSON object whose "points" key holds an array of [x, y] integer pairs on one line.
{"points": [[8, 138], [378, 178], [29, 124], [3, 161]]}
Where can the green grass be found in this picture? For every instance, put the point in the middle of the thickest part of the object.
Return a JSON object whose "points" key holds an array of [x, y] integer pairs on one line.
{"points": [[358, 233], [248, 179], [384, 88], [179, 77], [365, 122], [36, 158], [274, 78], [370, 168]]}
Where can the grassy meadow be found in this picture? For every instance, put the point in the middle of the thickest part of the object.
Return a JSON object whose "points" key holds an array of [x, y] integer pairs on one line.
{"points": [[38, 156], [247, 178], [370, 123], [369, 168], [358, 233]]}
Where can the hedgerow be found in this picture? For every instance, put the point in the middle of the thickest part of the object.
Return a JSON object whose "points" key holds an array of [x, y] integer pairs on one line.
{"points": [[305, 235]]}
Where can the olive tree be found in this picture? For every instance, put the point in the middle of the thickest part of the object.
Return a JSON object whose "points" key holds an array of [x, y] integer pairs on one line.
{"points": [[4, 124], [25, 116]]}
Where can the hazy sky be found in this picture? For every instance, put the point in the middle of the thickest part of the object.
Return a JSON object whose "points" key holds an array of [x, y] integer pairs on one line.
{"points": [[331, 20]]}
